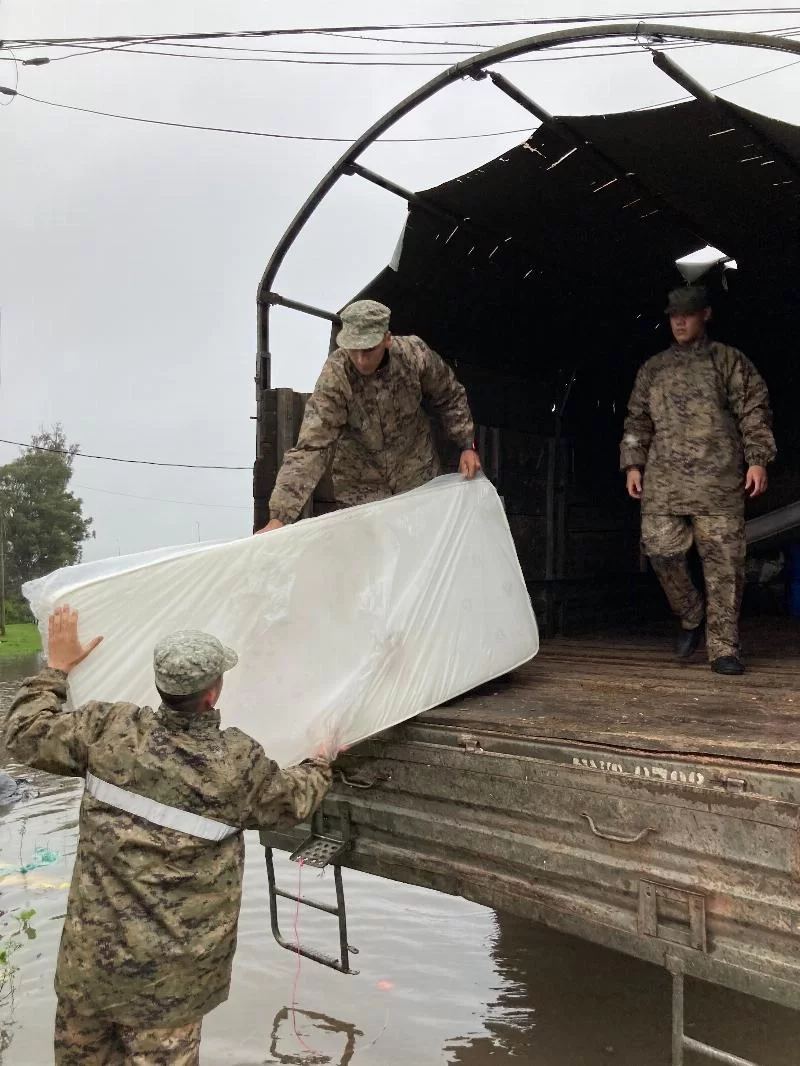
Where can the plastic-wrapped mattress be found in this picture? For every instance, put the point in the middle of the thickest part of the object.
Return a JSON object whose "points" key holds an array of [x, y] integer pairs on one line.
{"points": [[345, 624]]}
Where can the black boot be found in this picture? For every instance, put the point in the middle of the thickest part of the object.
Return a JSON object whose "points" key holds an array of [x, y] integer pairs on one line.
{"points": [[728, 664], [688, 641]]}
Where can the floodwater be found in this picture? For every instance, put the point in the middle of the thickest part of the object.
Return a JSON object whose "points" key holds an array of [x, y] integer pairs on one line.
{"points": [[441, 981]]}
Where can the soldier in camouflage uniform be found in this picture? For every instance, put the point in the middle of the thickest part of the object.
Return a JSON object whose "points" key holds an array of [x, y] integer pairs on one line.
{"points": [[697, 438], [150, 930], [367, 411]]}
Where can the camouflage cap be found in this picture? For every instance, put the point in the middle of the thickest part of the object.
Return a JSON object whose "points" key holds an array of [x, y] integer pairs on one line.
{"points": [[364, 324], [687, 300], [190, 661]]}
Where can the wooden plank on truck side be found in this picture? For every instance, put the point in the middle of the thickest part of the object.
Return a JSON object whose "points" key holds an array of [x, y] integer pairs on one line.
{"points": [[265, 468], [285, 437]]}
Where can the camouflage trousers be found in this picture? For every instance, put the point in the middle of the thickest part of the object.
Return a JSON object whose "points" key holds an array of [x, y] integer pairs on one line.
{"points": [[721, 545], [81, 1040]]}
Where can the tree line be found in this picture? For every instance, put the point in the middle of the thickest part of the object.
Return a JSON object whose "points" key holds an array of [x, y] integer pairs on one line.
{"points": [[42, 524]]}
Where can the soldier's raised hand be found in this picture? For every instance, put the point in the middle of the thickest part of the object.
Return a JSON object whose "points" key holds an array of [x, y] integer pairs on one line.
{"points": [[64, 648]]}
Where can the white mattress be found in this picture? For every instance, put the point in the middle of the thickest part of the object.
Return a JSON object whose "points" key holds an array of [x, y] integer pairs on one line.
{"points": [[345, 624]]}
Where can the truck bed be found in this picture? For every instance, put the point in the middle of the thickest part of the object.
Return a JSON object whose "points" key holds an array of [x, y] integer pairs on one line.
{"points": [[608, 792], [627, 691]]}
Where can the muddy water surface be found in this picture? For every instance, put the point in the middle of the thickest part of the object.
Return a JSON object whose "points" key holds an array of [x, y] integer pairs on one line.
{"points": [[441, 981]]}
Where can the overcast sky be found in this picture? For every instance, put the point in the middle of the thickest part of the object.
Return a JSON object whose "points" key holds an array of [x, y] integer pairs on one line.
{"points": [[130, 254]]}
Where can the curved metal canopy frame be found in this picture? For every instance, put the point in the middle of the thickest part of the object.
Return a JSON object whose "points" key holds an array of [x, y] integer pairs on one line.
{"points": [[650, 34], [476, 67]]}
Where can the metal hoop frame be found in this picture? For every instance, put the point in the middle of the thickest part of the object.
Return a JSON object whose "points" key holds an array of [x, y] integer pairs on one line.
{"points": [[476, 67]]}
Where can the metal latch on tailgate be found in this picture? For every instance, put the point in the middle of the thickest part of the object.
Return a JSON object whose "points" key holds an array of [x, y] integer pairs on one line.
{"points": [[469, 743], [654, 899]]}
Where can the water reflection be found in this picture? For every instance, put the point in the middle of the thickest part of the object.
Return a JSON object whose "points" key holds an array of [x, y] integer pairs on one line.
{"points": [[37, 846], [563, 1002], [16, 669], [287, 1028]]}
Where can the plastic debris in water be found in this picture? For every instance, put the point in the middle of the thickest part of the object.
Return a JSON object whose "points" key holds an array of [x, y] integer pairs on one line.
{"points": [[12, 790], [42, 856], [38, 884], [8, 787]]}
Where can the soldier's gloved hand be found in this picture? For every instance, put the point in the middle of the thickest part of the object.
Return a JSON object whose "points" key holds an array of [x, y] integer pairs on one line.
{"points": [[64, 649], [469, 464], [755, 481], [633, 483], [275, 523]]}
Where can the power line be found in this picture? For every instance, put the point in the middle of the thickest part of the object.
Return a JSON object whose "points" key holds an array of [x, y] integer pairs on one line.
{"points": [[369, 62], [381, 40], [115, 459], [471, 24], [337, 57], [345, 140], [252, 133], [717, 89], [454, 47], [557, 53], [752, 77], [611, 51], [453, 50], [136, 50], [130, 49], [161, 499]]}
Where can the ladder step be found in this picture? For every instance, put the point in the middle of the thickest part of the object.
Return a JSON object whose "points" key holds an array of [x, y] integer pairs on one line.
{"points": [[319, 851], [342, 964], [327, 907]]}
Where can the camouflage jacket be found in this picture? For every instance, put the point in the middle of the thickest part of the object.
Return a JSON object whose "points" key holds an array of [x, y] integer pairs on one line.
{"points": [[697, 414], [150, 930], [375, 427]]}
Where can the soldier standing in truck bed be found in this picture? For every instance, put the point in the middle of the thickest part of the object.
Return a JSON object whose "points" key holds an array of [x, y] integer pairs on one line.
{"points": [[697, 438], [367, 410]]}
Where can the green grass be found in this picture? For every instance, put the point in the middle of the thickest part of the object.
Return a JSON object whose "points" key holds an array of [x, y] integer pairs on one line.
{"points": [[19, 641]]}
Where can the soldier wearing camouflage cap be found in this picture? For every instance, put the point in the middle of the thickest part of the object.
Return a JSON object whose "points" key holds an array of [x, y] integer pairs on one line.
{"points": [[150, 930], [367, 414], [190, 661], [698, 438]]}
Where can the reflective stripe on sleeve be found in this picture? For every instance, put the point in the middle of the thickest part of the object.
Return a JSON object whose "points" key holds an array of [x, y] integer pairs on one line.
{"points": [[158, 813]]}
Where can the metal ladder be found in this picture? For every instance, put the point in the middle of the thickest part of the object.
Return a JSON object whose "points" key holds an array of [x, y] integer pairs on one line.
{"points": [[680, 1041], [319, 850]]}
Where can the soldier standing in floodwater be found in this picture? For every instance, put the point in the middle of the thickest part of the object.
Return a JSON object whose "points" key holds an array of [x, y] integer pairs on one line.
{"points": [[150, 930], [367, 411], [698, 437]]}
